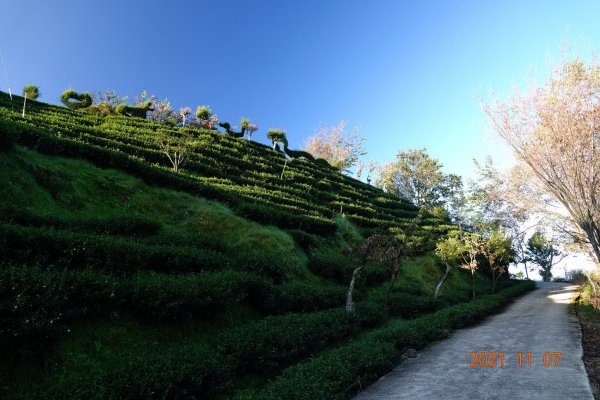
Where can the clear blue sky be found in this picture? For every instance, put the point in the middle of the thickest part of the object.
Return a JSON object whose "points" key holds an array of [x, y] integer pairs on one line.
{"points": [[408, 72]]}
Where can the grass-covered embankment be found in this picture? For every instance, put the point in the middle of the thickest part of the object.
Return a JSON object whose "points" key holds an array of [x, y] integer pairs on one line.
{"points": [[120, 278]]}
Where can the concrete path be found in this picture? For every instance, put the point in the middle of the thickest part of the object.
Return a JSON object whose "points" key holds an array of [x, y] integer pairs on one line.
{"points": [[536, 323]]}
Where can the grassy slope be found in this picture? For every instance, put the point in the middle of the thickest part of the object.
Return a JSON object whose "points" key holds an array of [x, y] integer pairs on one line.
{"points": [[74, 190], [69, 194]]}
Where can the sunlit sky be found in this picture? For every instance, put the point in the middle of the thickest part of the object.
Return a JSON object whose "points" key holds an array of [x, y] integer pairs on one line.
{"points": [[408, 72]]}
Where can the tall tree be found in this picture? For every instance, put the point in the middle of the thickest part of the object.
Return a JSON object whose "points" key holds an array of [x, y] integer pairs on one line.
{"points": [[555, 131], [543, 252], [497, 249], [418, 177]]}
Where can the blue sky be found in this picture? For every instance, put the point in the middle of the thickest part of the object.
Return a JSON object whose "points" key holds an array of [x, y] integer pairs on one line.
{"points": [[408, 72]]}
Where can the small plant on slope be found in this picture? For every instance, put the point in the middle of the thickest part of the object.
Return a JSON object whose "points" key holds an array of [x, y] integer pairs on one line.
{"points": [[32, 92]]}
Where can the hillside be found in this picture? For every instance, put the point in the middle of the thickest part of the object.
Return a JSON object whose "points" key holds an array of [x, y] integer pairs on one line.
{"points": [[122, 278]]}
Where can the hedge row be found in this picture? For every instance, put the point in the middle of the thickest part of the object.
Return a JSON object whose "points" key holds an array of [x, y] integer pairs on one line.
{"points": [[339, 373], [76, 250], [197, 370], [35, 304], [358, 191], [49, 144]]}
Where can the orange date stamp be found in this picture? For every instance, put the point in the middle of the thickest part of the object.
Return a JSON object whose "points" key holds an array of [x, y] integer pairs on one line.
{"points": [[494, 359]]}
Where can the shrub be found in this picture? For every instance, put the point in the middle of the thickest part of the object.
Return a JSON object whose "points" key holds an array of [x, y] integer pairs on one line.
{"points": [[8, 137], [32, 92], [299, 296], [74, 100], [282, 340], [159, 297], [76, 250], [409, 306], [130, 225], [136, 112], [34, 303], [190, 371], [341, 372], [329, 263], [203, 113]]}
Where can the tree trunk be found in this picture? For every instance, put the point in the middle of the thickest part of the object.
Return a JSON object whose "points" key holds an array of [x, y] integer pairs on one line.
{"points": [[283, 170], [441, 280], [349, 303], [473, 282], [526, 272], [493, 281]]}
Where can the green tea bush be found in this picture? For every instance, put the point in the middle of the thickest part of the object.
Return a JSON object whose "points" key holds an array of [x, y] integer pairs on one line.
{"points": [[129, 225], [329, 263], [409, 306], [132, 111], [190, 371], [341, 372], [282, 340], [75, 250], [298, 296], [159, 297], [34, 303], [73, 100], [32, 92], [8, 137], [334, 375]]}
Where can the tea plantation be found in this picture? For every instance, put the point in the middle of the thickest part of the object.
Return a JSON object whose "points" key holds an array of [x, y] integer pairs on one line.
{"points": [[120, 278]]}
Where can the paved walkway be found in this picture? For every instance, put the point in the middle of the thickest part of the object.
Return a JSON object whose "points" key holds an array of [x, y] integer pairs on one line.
{"points": [[537, 323]]}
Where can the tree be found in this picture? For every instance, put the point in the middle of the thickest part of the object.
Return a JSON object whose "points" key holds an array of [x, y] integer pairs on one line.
{"points": [[277, 136], [554, 130], [361, 252], [177, 145], [339, 148], [449, 250], [183, 114], [542, 252], [497, 250], [417, 177], [32, 92], [472, 245]]}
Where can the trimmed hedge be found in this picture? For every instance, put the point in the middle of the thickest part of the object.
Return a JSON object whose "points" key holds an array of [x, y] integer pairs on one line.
{"points": [[182, 372], [339, 373], [75, 250], [80, 100]]}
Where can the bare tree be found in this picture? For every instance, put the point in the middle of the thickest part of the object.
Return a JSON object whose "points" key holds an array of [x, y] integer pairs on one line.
{"points": [[341, 149], [176, 144], [555, 130]]}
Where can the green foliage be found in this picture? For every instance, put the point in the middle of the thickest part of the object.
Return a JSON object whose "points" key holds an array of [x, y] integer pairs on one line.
{"points": [[177, 372], [329, 263], [341, 372], [32, 92], [276, 136], [418, 177], [450, 249], [203, 112], [543, 253], [34, 303], [73, 100], [137, 112], [66, 249]]}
